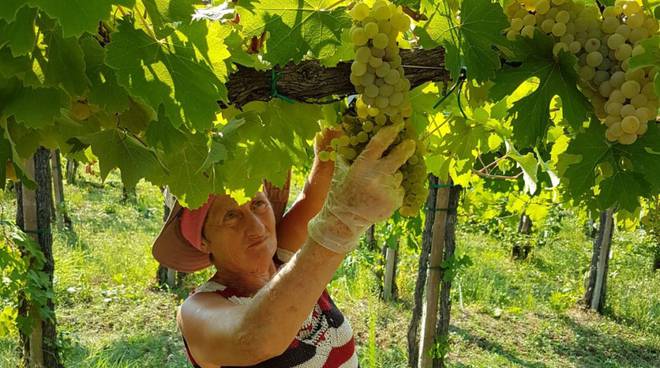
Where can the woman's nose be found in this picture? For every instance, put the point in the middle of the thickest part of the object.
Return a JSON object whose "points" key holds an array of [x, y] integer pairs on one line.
{"points": [[255, 227]]}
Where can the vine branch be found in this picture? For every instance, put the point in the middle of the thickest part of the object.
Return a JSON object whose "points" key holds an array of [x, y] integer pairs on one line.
{"points": [[309, 80]]}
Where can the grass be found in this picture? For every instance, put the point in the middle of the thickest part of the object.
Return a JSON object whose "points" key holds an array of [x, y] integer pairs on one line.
{"points": [[515, 314]]}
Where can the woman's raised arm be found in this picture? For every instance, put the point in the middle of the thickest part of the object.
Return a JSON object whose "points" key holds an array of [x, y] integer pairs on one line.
{"points": [[292, 230]]}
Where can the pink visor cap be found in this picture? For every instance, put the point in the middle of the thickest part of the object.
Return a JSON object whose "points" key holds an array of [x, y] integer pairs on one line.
{"points": [[192, 224]]}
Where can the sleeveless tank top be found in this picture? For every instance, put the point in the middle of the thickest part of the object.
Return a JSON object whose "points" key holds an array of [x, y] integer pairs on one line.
{"points": [[325, 339]]}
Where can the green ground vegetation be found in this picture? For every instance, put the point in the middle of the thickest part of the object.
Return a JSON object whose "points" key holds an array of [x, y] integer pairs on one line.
{"points": [[505, 313]]}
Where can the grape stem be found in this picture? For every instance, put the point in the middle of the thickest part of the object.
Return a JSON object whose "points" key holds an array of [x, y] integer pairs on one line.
{"points": [[501, 177], [486, 168], [461, 78]]}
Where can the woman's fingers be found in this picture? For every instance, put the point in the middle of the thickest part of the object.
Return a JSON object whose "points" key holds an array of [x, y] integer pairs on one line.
{"points": [[324, 137], [398, 156], [398, 178], [379, 143]]}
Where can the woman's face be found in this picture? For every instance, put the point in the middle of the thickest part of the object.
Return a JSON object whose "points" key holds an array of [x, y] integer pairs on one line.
{"points": [[241, 237]]}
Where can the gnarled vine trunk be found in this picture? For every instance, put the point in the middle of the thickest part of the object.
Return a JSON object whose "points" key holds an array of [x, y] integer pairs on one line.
{"points": [[594, 297]]}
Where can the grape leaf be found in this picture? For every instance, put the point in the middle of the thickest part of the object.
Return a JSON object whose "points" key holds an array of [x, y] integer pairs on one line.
{"points": [[622, 189], [592, 147], [453, 60], [436, 28], [21, 105], [240, 56], [277, 130], [185, 179], [9, 8], [345, 51], [645, 156], [161, 135], [76, 16], [105, 91], [18, 67], [422, 99], [528, 164], [173, 76], [296, 27], [482, 22], [480, 26], [531, 114], [25, 140], [118, 149], [66, 65], [5, 156], [463, 143], [19, 34], [650, 56], [163, 21]]}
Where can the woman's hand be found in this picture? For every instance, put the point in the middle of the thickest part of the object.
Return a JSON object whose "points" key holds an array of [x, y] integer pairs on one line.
{"points": [[366, 192], [323, 138]]}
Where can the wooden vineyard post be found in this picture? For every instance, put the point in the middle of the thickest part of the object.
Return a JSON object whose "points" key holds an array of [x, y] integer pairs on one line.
{"points": [[390, 264], [442, 330], [58, 188], [522, 247], [71, 170], [594, 297], [166, 276], [413, 328], [429, 320], [40, 347]]}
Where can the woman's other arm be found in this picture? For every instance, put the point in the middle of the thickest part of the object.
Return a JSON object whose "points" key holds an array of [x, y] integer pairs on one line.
{"points": [[292, 230], [219, 332]]}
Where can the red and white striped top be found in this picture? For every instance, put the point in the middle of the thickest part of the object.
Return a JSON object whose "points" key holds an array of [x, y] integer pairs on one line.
{"points": [[325, 339]]}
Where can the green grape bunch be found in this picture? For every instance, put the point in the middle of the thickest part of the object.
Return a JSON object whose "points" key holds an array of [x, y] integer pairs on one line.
{"points": [[378, 78], [603, 42]]}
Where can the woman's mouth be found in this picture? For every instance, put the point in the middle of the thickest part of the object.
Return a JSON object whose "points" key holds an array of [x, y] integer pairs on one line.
{"points": [[257, 243]]}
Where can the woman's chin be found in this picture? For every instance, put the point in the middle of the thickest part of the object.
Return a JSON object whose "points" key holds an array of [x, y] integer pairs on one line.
{"points": [[265, 247]]}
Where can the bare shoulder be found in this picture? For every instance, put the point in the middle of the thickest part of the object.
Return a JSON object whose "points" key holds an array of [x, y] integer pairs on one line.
{"points": [[194, 313], [207, 321]]}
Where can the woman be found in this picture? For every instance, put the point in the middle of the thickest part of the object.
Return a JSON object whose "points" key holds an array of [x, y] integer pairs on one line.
{"points": [[262, 307]]}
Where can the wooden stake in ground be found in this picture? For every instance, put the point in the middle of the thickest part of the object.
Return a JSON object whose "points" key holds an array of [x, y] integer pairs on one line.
{"points": [[442, 330], [427, 237], [594, 297], [388, 279], [430, 317], [521, 249], [40, 347], [167, 276], [58, 188], [71, 170]]}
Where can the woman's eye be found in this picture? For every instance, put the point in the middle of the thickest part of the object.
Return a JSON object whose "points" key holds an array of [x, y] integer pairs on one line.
{"points": [[257, 205], [231, 215]]}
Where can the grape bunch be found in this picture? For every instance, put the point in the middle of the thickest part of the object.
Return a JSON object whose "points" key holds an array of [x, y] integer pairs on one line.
{"points": [[603, 43], [378, 77]]}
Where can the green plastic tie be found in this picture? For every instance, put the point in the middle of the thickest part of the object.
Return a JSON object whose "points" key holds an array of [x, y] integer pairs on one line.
{"points": [[450, 211], [275, 75]]}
